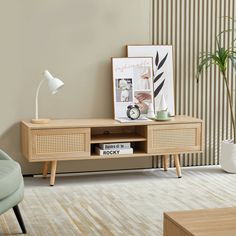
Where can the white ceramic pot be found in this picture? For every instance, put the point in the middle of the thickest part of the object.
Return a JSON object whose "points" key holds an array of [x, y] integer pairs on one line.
{"points": [[228, 156]]}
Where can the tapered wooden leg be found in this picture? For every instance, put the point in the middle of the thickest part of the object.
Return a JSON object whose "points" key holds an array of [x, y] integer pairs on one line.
{"points": [[177, 165], [45, 169], [53, 172], [165, 162], [19, 218]]}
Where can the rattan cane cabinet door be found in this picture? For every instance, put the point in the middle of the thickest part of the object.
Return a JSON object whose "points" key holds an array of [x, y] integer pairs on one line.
{"points": [[60, 144], [175, 138]]}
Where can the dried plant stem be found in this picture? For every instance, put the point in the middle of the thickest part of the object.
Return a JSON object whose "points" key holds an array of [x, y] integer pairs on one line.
{"points": [[230, 104]]}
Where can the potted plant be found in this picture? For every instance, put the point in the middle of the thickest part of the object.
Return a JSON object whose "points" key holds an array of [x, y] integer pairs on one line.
{"points": [[221, 58]]}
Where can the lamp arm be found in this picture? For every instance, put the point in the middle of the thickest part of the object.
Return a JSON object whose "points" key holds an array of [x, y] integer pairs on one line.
{"points": [[36, 99]]}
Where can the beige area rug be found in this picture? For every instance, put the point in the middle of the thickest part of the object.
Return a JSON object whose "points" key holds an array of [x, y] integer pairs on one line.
{"points": [[130, 203]]}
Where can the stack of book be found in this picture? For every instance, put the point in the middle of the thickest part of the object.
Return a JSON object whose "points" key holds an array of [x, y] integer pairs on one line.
{"points": [[114, 149]]}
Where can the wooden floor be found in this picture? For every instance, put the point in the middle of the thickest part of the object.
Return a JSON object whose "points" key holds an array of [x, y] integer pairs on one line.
{"points": [[130, 203]]}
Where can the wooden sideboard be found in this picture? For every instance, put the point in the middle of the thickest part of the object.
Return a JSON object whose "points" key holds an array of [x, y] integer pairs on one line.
{"points": [[76, 139]]}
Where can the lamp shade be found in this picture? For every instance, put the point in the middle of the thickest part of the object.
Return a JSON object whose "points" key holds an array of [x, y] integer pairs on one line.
{"points": [[47, 75], [54, 84]]}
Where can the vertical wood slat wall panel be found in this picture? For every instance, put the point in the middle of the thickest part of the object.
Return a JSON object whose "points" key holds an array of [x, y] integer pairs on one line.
{"points": [[191, 26]]}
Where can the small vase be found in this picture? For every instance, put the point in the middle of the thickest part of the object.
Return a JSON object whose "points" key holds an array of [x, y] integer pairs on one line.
{"points": [[151, 113]]}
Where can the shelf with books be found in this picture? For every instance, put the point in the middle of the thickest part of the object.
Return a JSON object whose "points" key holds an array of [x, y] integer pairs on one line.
{"points": [[135, 154], [119, 149]]}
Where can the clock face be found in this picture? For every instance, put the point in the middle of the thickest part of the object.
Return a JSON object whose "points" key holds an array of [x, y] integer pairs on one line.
{"points": [[133, 113]]}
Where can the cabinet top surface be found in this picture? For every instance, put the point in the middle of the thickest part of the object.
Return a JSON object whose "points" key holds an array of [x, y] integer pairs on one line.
{"points": [[101, 122]]}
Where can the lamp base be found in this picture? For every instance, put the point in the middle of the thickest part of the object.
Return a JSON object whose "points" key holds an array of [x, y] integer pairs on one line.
{"points": [[40, 121]]}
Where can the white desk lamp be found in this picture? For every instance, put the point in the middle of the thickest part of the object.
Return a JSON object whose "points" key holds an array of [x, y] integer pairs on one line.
{"points": [[54, 84]]}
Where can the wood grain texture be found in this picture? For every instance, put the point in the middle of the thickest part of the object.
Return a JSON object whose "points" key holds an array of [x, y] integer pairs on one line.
{"points": [[45, 169], [25, 140], [171, 229], [116, 138], [165, 162], [177, 165], [53, 172], [209, 222], [72, 123]]}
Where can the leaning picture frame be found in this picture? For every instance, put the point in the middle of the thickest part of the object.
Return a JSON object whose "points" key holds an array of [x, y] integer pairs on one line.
{"points": [[132, 85], [163, 72]]}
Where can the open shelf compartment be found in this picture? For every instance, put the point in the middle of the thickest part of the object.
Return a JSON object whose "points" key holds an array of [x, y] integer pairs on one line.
{"points": [[136, 135], [118, 134]]}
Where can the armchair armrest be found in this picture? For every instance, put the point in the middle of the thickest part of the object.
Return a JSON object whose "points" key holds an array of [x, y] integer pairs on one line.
{"points": [[4, 156]]}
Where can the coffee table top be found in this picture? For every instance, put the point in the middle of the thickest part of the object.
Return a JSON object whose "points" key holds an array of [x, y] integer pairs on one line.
{"points": [[207, 222]]}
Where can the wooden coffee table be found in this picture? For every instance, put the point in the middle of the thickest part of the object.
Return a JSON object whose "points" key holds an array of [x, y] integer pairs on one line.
{"points": [[209, 222]]}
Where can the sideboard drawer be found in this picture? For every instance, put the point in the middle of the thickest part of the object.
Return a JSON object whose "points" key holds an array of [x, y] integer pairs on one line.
{"points": [[176, 138], [60, 144]]}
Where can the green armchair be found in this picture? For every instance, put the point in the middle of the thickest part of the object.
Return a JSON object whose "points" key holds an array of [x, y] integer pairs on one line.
{"points": [[11, 187]]}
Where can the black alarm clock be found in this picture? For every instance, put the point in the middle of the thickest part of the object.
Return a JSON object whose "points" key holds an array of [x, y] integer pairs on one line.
{"points": [[133, 112]]}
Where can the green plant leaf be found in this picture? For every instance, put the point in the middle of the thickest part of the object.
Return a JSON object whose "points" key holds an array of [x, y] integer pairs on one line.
{"points": [[220, 58]]}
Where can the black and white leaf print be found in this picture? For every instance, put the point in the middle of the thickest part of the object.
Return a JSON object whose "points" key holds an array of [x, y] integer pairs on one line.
{"points": [[158, 89], [157, 59], [158, 77], [162, 62]]}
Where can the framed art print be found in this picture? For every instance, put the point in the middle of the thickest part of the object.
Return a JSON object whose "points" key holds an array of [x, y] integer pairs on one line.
{"points": [[163, 81], [132, 84]]}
